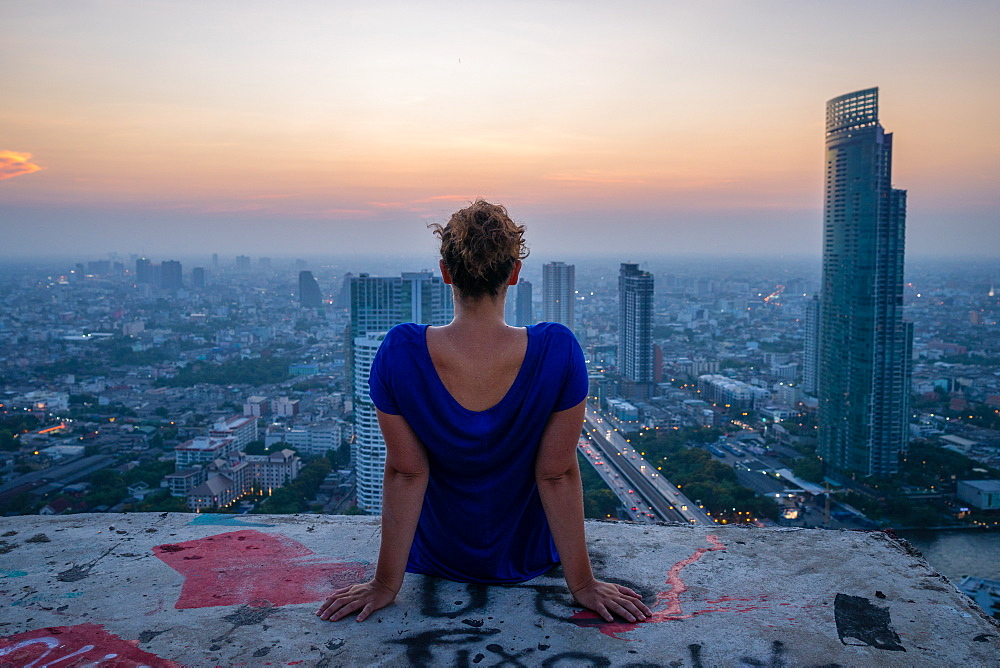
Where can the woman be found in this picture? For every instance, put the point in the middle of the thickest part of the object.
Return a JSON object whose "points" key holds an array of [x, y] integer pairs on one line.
{"points": [[481, 422]]}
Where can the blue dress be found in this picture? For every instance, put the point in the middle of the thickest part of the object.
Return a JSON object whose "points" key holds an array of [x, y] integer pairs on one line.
{"points": [[482, 519]]}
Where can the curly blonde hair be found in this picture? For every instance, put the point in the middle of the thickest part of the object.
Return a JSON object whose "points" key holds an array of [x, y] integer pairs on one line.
{"points": [[480, 246]]}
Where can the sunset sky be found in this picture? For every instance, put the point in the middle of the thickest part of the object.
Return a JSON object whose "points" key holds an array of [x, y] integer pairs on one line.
{"points": [[274, 128]]}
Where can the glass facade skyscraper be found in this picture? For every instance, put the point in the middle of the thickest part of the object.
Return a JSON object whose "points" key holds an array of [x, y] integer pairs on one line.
{"points": [[310, 296], [559, 293], [864, 343], [523, 312], [635, 324]]}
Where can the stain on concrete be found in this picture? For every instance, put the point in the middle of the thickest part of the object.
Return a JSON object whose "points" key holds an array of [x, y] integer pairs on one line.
{"points": [[146, 636], [75, 573], [860, 622], [249, 616], [78, 572]]}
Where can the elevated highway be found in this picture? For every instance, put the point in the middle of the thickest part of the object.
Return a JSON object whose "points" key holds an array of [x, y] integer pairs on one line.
{"points": [[654, 497]]}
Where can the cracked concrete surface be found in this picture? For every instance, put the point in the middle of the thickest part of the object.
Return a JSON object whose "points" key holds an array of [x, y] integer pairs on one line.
{"points": [[221, 590]]}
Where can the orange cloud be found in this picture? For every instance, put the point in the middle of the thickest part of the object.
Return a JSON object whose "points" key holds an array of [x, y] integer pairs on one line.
{"points": [[14, 164]]}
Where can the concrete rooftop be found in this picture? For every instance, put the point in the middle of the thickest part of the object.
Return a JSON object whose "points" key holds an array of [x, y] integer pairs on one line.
{"points": [[222, 590]]}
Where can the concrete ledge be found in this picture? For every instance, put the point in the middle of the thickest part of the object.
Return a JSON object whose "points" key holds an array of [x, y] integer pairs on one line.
{"points": [[222, 590]]}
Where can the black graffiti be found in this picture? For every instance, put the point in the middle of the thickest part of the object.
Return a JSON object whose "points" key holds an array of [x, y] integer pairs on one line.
{"points": [[420, 647], [559, 596], [777, 657], [431, 605]]}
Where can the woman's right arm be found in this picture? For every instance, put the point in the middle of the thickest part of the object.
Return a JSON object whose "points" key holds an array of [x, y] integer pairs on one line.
{"points": [[403, 488], [557, 473]]}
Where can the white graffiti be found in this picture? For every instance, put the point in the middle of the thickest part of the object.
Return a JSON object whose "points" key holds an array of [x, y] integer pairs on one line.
{"points": [[50, 644]]}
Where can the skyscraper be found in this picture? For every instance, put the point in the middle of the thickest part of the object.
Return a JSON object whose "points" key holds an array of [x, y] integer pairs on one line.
{"points": [[143, 272], [171, 276], [310, 296], [864, 343], [523, 313], [377, 304], [635, 325], [558, 293], [198, 277]]}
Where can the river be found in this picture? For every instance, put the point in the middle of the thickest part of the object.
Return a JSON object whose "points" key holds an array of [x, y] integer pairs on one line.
{"points": [[958, 553]]}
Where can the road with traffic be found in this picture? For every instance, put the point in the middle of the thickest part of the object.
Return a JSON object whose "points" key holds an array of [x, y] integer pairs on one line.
{"points": [[630, 476]]}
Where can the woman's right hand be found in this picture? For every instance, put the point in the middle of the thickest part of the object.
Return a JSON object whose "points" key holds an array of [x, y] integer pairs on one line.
{"points": [[367, 597], [608, 599]]}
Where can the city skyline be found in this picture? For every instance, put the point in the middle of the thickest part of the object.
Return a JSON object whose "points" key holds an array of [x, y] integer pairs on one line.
{"points": [[168, 129]]}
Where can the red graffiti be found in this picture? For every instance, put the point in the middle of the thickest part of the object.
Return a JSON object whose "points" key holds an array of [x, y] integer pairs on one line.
{"points": [[80, 645], [254, 568], [667, 606]]}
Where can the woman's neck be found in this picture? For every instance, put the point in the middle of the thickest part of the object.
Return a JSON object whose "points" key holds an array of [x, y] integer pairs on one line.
{"points": [[480, 315]]}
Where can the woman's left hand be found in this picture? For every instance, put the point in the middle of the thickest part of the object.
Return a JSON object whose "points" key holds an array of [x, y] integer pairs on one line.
{"points": [[608, 599]]}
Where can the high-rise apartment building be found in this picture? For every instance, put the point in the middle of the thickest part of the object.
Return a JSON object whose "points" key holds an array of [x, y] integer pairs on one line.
{"points": [[559, 293], [377, 304], [635, 324], [171, 275], [864, 343], [310, 296], [523, 313], [143, 270]]}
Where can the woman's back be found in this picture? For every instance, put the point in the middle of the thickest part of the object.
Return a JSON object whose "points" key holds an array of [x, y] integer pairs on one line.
{"points": [[481, 464], [477, 367]]}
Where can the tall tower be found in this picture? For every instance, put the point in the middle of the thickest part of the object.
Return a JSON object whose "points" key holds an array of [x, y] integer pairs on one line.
{"points": [[377, 304], [171, 276], [143, 272], [523, 315], [558, 293], [310, 296], [864, 343], [635, 324]]}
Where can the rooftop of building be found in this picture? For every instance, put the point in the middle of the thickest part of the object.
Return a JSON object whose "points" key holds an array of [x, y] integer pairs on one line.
{"points": [[204, 443], [225, 590]]}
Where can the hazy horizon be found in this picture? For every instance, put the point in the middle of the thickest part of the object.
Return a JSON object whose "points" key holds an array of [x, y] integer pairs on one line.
{"points": [[184, 127]]}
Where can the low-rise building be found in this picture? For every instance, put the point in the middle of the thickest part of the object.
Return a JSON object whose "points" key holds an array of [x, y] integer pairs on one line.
{"points": [[273, 470], [204, 449], [983, 494]]}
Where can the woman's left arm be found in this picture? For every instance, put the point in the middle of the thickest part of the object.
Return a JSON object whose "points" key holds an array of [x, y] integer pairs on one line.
{"points": [[557, 473], [403, 487]]}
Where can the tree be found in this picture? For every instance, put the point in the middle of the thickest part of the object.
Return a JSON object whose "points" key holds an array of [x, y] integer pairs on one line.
{"points": [[256, 448]]}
